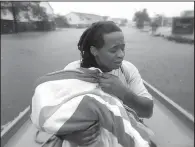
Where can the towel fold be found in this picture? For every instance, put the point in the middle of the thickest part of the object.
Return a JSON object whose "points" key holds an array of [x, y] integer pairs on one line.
{"points": [[63, 102]]}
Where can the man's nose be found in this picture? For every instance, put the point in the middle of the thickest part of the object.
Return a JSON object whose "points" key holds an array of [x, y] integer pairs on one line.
{"points": [[121, 53]]}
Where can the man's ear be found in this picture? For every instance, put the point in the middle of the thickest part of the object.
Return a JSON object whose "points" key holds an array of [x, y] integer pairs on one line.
{"points": [[93, 50]]}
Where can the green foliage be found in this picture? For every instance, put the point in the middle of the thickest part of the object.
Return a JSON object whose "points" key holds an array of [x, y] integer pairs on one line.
{"points": [[33, 7], [61, 21], [105, 18], [6, 5], [140, 17], [124, 22], [158, 20]]}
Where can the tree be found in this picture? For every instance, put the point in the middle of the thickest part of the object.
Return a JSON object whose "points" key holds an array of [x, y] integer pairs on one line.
{"points": [[158, 19], [140, 17], [145, 15], [61, 21], [123, 22], [27, 7], [105, 18], [39, 11]]}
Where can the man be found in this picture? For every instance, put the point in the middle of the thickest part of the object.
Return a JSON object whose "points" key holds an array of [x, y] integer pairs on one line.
{"points": [[102, 46]]}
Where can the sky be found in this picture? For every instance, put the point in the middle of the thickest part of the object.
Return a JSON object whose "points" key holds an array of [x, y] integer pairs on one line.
{"points": [[122, 9]]}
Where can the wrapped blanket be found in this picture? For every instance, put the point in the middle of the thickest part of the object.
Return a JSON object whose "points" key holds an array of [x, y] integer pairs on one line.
{"points": [[64, 103]]}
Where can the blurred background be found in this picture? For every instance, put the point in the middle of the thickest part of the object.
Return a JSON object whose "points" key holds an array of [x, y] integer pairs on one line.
{"points": [[41, 37]]}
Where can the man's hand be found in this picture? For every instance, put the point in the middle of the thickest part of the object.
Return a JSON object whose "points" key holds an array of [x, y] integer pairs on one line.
{"points": [[111, 84], [84, 138]]}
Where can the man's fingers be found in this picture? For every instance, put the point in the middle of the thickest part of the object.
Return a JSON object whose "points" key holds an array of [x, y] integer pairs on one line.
{"points": [[91, 139], [104, 81], [86, 70], [96, 124], [104, 75], [89, 142], [89, 131], [89, 136], [104, 85], [87, 79], [84, 138], [92, 130]]}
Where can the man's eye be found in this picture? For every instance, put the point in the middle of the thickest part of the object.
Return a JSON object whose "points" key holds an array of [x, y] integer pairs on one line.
{"points": [[117, 47], [123, 47], [113, 51]]}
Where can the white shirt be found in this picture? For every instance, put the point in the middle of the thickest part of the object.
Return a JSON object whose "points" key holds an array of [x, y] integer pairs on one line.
{"points": [[133, 79]]}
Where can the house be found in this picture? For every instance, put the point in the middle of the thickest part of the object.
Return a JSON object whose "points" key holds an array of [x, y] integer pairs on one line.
{"points": [[184, 24], [6, 18], [77, 19], [166, 21], [120, 21], [187, 13], [116, 20], [162, 21], [23, 16], [48, 9], [107, 18]]}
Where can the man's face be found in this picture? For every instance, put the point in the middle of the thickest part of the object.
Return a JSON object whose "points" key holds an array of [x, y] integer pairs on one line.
{"points": [[111, 55]]}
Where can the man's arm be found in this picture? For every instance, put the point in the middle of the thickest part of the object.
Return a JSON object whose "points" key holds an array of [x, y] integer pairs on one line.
{"points": [[143, 106], [73, 65], [136, 95]]}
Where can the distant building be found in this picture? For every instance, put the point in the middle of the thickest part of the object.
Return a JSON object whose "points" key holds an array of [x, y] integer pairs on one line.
{"points": [[167, 21], [184, 24], [107, 18], [25, 19], [48, 9], [119, 21], [187, 13], [77, 19], [163, 21]]}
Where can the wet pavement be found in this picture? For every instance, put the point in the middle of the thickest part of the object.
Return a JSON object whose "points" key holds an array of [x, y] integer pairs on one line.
{"points": [[169, 66]]}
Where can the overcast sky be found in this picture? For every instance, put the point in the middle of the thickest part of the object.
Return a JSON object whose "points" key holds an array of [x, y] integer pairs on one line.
{"points": [[122, 9]]}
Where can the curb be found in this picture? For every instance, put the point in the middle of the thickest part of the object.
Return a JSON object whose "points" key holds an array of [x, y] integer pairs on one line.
{"points": [[180, 39], [186, 114], [171, 37], [176, 38], [15, 125]]}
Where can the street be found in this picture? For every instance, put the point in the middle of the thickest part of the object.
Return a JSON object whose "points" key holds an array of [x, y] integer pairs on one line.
{"points": [[168, 66]]}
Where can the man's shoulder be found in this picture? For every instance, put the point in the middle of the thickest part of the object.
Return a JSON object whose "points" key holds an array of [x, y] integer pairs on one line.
{"points": [[130, 67], [73, 65]]}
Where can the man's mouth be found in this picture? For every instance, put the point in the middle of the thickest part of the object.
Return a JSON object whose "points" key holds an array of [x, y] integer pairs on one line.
{"points": [[118, 62]]}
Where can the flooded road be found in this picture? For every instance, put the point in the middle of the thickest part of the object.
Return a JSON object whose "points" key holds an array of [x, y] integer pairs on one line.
{"points": [[167, 65]]}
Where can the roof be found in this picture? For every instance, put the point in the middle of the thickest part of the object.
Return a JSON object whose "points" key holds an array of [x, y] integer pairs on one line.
{"points": [[118, 19], [50, 6], [88, 16]]}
